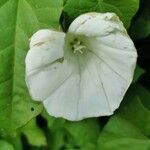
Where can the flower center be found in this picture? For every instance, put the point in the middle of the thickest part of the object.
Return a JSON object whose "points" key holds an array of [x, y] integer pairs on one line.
{"points": [[77, 46]]}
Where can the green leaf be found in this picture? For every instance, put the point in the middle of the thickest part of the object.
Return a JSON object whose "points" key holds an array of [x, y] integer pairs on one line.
{"points": [[19, 19], [68, 134], [144, 95], [34, 134], [5, 145], [136, 104], [125, 9], [16, 142], [83, 132], [59, 138], [134, 112], [56, 133], [138, 72], [89, 146], [119, 134], [52, 122], [140, 27], [128, 129]]}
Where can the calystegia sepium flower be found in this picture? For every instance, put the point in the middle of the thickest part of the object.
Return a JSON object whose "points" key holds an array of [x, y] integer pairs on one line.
{"points": [[84, 72]]}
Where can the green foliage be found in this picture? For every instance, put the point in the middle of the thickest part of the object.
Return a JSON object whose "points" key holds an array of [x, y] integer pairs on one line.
{"points": [[87, 131], [34, 134], [127, 129], [140, 27], [138, 72], [123, 135], [19, 19], [125, 9], [5, 145], [67, 134]]}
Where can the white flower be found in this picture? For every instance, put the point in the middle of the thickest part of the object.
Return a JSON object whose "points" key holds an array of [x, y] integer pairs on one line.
{"points": [[85, 72]]}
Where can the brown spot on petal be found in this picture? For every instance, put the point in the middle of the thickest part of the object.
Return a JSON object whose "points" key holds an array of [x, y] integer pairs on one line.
{"points": [[38, 44], [85, 21], [93, 14], [60, 60], [114, 18]]}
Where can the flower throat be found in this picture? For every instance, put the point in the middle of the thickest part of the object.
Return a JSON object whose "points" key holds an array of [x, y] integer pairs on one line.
{"points": [[77, 46]]}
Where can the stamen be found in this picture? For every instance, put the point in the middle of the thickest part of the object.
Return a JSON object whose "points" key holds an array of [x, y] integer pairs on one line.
{"points": [[77, 46], [79, 49]]}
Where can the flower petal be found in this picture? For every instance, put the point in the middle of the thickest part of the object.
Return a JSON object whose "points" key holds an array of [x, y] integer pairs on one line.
{"points": [[45, 67], [89, 83], [63, 102], [96, 24], [107, 66]]}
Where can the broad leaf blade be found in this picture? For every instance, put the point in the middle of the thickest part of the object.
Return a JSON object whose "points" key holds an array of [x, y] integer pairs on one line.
{"points": [[129, 128], [5, 145], [137, 73], [70, 135], [84, 132], [125, 9], [140, 27], [34, 134], [19, 19], [119, 134]]}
